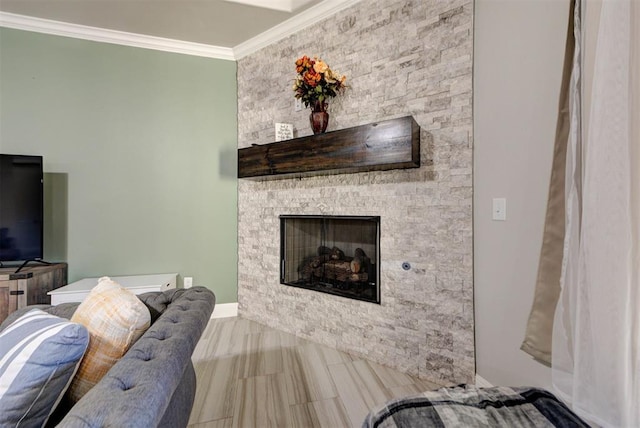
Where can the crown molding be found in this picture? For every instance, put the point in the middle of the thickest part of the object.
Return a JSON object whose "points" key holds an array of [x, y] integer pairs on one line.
{"points": [[290, 26], [46, 26], [281, 5]]}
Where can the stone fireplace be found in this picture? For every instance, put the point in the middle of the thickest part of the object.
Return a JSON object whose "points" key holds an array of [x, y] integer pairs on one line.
{"points": [[331, 254], [401, 58]]}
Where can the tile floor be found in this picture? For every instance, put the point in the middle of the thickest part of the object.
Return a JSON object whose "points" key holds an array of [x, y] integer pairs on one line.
{"points": [[250, 375]]}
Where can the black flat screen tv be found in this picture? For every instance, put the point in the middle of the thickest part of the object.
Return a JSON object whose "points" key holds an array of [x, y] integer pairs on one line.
{"points": [[21, 208]]}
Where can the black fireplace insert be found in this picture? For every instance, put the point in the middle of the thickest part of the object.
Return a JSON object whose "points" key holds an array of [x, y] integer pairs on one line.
{"points": [[332, 254]]}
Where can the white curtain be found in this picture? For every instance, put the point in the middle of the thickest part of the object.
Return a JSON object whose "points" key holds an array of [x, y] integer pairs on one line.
{"points": [[596, 333]]}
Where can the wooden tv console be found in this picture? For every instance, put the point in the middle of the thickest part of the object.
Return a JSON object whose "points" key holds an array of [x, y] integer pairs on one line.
{"points": [[29, 287]]}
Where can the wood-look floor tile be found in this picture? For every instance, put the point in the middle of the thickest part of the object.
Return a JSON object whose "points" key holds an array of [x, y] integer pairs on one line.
{"points": [[298, 390], [332, 356], [425, 385], [404, 390], [206, 347], [376, 392], [390, 378], [243, 326], [316, 373], [288, 340], [261, 402], [220, 423], [231, 340], [253, 375], [359, 389], [262, 354], [325, 414], [215, 389], [304, 416], [331, 413]]}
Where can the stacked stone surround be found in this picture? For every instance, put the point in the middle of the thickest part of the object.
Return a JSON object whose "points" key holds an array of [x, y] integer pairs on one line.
{"points": [[401, 58]]}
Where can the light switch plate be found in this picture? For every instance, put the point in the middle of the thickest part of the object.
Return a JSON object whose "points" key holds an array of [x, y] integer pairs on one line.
{"points": [[499, 209]]}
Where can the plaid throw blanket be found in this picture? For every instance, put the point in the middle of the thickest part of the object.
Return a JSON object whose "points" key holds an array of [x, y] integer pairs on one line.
{"points": [[469, 406]]}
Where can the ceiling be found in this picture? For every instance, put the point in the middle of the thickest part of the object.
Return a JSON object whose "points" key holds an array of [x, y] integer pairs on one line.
{"points": [[223, 23]]}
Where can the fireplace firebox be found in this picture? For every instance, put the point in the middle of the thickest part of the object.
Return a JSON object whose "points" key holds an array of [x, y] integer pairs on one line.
{"points": [[332, 254]]}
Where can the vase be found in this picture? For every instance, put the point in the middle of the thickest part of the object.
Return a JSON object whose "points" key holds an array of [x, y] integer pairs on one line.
{"points": [[319, 118]]}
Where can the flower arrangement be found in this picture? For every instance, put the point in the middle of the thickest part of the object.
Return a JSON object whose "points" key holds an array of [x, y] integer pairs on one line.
{"points": [[316, 82]]}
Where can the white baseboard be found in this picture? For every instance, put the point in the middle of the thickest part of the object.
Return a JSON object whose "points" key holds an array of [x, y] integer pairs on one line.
{"points": [[482, 382], [225, 310]]}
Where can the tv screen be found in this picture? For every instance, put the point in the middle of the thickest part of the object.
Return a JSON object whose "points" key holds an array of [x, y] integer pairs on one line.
{"points": [[21, 208]]}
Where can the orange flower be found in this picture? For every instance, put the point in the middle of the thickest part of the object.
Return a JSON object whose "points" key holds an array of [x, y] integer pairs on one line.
{"points": [[312, 78], [320, 66], [315, 81]]}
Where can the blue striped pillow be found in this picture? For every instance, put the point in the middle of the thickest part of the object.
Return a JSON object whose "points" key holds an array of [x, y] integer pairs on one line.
{"points": [[39, 355]]}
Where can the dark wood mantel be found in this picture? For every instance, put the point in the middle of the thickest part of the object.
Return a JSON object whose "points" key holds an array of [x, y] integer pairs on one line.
{"points": [[390, 144]]}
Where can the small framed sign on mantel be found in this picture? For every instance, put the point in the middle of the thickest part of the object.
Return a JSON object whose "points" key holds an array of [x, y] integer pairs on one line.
{"points": [[284, 131]]}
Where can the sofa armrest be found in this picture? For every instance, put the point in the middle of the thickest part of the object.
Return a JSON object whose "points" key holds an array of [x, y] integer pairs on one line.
{"points": [[138, 388]]}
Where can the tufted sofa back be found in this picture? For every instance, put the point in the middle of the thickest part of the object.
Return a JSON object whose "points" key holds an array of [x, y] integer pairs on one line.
{"points": [[154, 383], [137, 391]]}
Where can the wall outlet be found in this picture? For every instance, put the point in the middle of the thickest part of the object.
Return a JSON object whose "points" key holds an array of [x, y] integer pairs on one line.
{"points": [[188, 281], [298, 104]]}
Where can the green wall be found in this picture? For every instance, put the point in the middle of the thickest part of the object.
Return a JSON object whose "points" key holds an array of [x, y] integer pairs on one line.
{"points": [[139, 153]]}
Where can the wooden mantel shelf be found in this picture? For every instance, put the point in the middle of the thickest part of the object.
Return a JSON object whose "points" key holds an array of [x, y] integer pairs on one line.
{"points": [[391, 144]]}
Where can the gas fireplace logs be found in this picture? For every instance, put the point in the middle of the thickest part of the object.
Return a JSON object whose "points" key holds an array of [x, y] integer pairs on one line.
{"points": [[332, 264]]}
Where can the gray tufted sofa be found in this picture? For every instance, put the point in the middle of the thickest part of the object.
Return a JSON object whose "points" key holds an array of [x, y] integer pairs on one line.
{"points": [[154, 384]]}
